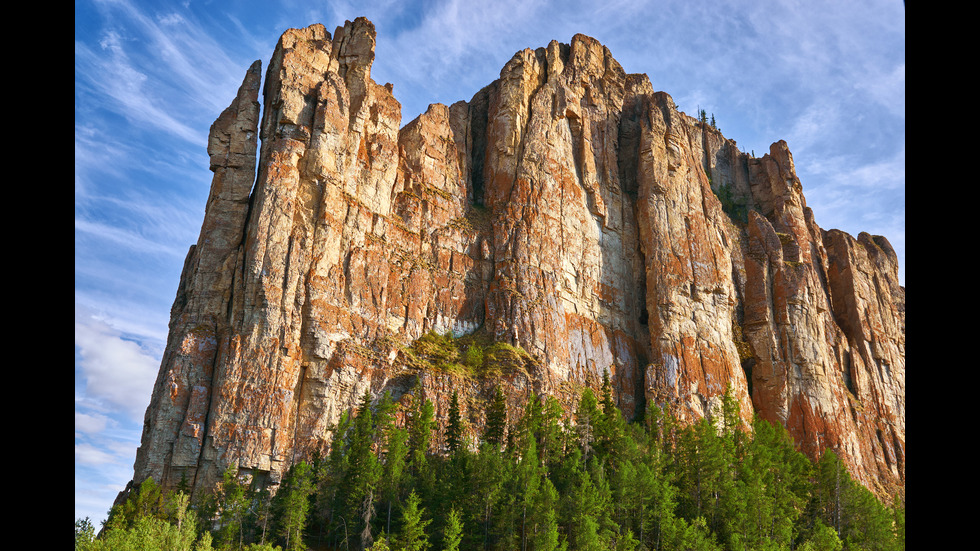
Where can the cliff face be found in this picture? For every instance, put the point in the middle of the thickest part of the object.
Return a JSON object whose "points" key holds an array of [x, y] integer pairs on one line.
{"points": [[567, 208]]}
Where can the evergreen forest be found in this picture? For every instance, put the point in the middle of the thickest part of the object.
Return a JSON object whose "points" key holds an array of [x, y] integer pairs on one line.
{"points": [[544, 480]]}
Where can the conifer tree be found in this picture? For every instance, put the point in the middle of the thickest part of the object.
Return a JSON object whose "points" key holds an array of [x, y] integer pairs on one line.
{"points": [[292, 505], [610, 426], [412, 536], [394, 470], [329, 498], [496, 423], [453, 534], [420, 425], [233, 504], [542, 527], [551, 440], [587, 418], [363, 473], [454, 427]]}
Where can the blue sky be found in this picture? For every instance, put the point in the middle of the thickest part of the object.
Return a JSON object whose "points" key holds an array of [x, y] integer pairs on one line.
{"points": [[150, 78]]}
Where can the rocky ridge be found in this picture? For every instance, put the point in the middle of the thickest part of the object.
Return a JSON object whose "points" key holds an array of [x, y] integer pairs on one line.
{"points": [[567, 208]]}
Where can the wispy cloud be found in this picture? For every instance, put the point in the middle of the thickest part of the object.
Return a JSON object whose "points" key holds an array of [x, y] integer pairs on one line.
{"points": [[111, 75]]}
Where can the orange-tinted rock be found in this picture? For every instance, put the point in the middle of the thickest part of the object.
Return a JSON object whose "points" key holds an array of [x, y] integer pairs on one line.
{"points": [[567, 208]]}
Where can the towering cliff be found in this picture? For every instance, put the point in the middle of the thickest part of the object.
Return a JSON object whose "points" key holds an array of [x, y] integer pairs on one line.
{"points": [[567, 208]]}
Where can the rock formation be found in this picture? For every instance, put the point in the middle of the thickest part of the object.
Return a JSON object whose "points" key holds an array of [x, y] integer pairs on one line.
{"points": [[567, 208]]}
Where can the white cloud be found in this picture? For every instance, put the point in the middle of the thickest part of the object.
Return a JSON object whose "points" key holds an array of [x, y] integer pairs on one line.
{"points": [[86, 454], [116, 372], [89, 423]]}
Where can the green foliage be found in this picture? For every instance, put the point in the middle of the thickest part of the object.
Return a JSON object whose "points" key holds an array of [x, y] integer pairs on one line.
{"points": [[84, 533], [823, 538], [453, 534], [454, 427], [233, 505], [735, 207], [292, 505], [147, 521], [496, 424], [412, 536], [549, 481], [468, 356]]}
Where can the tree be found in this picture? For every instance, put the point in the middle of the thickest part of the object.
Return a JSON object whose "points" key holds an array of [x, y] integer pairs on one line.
{"points": [[292, 505], [823, 538], [412, 536], [453, 534], [543, 523], [496, 424], [84, 533], [393, 471], [587, 417], [420, 426], [380, 544], [454, 427], [363, 473], [609, 426], [150, 530], [233, 506]]}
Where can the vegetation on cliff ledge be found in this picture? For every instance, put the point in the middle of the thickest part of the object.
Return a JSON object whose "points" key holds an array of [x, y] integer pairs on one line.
{"points": [[474, 355], [546, 480]]}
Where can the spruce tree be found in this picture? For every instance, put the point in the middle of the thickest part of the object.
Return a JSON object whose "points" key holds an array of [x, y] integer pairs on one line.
{"points": [[453, 533], [233, 503], [420, 426], [542, 528], [412, 536], [394, 470], [588, 417], [454, 427], [292, 505], [496, 423], [363, 473]]}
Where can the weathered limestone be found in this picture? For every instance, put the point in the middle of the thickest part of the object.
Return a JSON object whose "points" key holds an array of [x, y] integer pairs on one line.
{"points": [[567, 208]]}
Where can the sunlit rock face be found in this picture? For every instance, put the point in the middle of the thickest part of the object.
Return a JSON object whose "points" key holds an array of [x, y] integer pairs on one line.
{"points": [[567, 209]]}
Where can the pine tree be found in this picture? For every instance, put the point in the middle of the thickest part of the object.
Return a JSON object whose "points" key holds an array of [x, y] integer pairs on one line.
{"points": [[551, 440], [412, 536], [587, 418], [496, 424], [420, 426], [543, 524], [363, 473], [233, 503], [394, 470], [330, 500], [454, 427], [488, 474], [610, 426], [292, 505], [453, 534]]}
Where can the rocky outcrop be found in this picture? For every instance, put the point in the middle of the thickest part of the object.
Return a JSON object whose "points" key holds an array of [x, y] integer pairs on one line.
{"points": [[567, 208]]}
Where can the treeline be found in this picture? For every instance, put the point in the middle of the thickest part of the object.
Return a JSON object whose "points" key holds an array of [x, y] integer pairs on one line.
{"points": [[542, 482]]}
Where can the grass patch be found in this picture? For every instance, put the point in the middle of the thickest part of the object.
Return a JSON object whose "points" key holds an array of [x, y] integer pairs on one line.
{"points": [[474, 355]]}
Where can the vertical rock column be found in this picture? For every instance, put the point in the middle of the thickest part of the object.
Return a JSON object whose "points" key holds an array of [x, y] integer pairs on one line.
{"points": [[690, 295], [328, 166], [175, 422]]}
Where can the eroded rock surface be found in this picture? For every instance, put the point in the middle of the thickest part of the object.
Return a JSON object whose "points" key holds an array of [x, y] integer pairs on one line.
{"points": [[567, 208]]}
